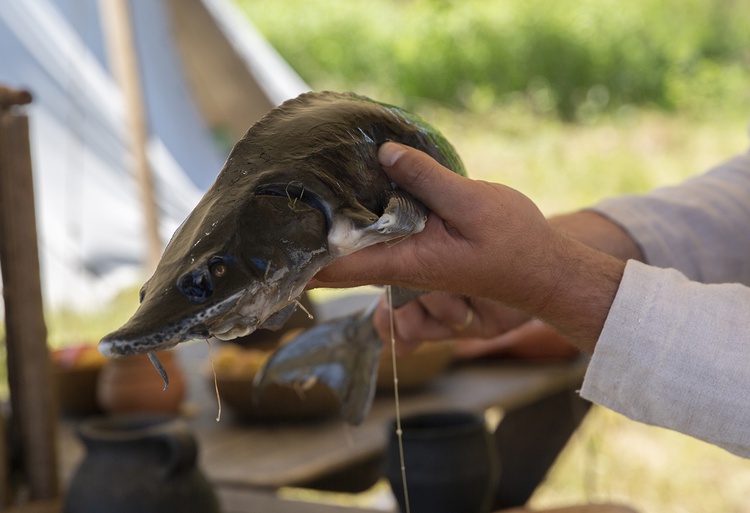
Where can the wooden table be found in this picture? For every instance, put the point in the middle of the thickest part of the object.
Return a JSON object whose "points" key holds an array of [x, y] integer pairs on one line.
{"points": [[248, 463], [279, 455]]}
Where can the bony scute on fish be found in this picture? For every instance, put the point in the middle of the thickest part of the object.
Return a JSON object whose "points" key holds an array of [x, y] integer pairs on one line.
{"points": [[317, 153]]}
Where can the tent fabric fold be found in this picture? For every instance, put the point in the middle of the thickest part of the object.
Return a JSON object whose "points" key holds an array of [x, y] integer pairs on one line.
{"points": [[89, 217]]}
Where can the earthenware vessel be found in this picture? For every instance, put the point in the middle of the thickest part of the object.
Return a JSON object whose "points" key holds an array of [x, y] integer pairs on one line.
{"points": [[143, 463], [131, 384], [450, 463]]}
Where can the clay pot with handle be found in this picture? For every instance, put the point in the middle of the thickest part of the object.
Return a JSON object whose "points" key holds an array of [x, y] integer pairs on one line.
{"points": [[143, 463]]}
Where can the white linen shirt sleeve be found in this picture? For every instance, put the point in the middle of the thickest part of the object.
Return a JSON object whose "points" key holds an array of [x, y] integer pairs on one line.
{"points": [[675, 349], [676, 353], [700, 227]]}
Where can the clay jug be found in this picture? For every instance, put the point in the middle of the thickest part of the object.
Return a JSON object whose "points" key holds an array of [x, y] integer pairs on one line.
{"points": [[131, 384], [450, 463], [139, 463]]}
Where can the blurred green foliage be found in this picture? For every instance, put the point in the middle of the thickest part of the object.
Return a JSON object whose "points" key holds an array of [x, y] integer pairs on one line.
{"points": [[573, 57]]}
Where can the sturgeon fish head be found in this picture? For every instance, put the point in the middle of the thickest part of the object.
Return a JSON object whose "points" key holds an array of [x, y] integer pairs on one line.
{"points": [[237, 259], [300, 189]]}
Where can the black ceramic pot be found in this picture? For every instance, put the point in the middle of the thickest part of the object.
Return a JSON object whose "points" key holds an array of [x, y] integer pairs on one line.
{"points": [[450, 460], [144, 464]]}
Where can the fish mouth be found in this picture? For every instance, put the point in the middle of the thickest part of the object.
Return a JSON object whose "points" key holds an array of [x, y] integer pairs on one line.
{"points": [[114, 347], [212, 321]]}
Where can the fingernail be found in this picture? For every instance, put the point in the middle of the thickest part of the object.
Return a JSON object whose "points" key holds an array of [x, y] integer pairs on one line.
{"points": [[389, 153]]}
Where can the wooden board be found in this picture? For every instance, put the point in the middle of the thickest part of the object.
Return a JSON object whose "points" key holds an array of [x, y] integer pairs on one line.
{"points": [[29, 368], [260, 455], [284, 455]]}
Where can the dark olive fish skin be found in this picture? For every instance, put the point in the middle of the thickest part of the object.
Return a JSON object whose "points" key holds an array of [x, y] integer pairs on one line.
{"points": [[302, 188]]}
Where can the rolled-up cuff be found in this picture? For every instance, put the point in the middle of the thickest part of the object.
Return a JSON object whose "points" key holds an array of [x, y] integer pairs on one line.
{"points": [[676, 354]]}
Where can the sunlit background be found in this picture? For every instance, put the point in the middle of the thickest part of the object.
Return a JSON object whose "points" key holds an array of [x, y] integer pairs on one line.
{"points": [[569, 101]]}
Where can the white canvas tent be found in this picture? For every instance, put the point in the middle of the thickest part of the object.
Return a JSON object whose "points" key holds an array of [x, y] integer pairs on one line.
{"points": [[203, 69]]}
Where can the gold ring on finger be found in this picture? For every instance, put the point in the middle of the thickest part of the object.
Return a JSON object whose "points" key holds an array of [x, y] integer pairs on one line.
{"points": [[467, 320]]}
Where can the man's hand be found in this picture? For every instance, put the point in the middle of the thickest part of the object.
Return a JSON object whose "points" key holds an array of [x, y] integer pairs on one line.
{"points": [[485, 240], [481, 239], [439, 316]]}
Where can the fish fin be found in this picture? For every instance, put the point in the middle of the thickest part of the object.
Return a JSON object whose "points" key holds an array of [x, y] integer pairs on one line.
{"points": [[343, 354], [402, 216]]}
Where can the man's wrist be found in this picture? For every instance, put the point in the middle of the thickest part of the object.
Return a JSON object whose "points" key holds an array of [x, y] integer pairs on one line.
{"points": [[584, 287]]}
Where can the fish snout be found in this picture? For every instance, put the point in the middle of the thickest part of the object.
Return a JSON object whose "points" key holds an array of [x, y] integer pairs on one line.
{"points": [[127, 341], [115, 345], [106, 348], [115, 348]]}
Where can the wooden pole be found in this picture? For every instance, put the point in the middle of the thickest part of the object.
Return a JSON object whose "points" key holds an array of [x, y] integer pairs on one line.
{"points": [[121, 49], [33, 403]]}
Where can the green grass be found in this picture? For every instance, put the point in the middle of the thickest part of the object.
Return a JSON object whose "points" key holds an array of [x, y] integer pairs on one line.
{"points": [[654, 470], [565, 166], [572, 57]]}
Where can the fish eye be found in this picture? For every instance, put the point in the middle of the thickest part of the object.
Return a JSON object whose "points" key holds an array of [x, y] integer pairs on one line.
{"points": [[219, 269]]}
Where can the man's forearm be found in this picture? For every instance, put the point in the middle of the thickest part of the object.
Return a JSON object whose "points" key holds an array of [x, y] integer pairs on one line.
{"points": [[598, 232]]}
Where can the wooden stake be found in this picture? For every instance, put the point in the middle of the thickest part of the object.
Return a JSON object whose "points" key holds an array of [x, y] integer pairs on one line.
{"points": [[12, 97], [29, 368], [121, 49]]}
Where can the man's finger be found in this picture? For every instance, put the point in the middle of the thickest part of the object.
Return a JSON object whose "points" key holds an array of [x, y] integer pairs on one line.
{"points": [[437, 187]]}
